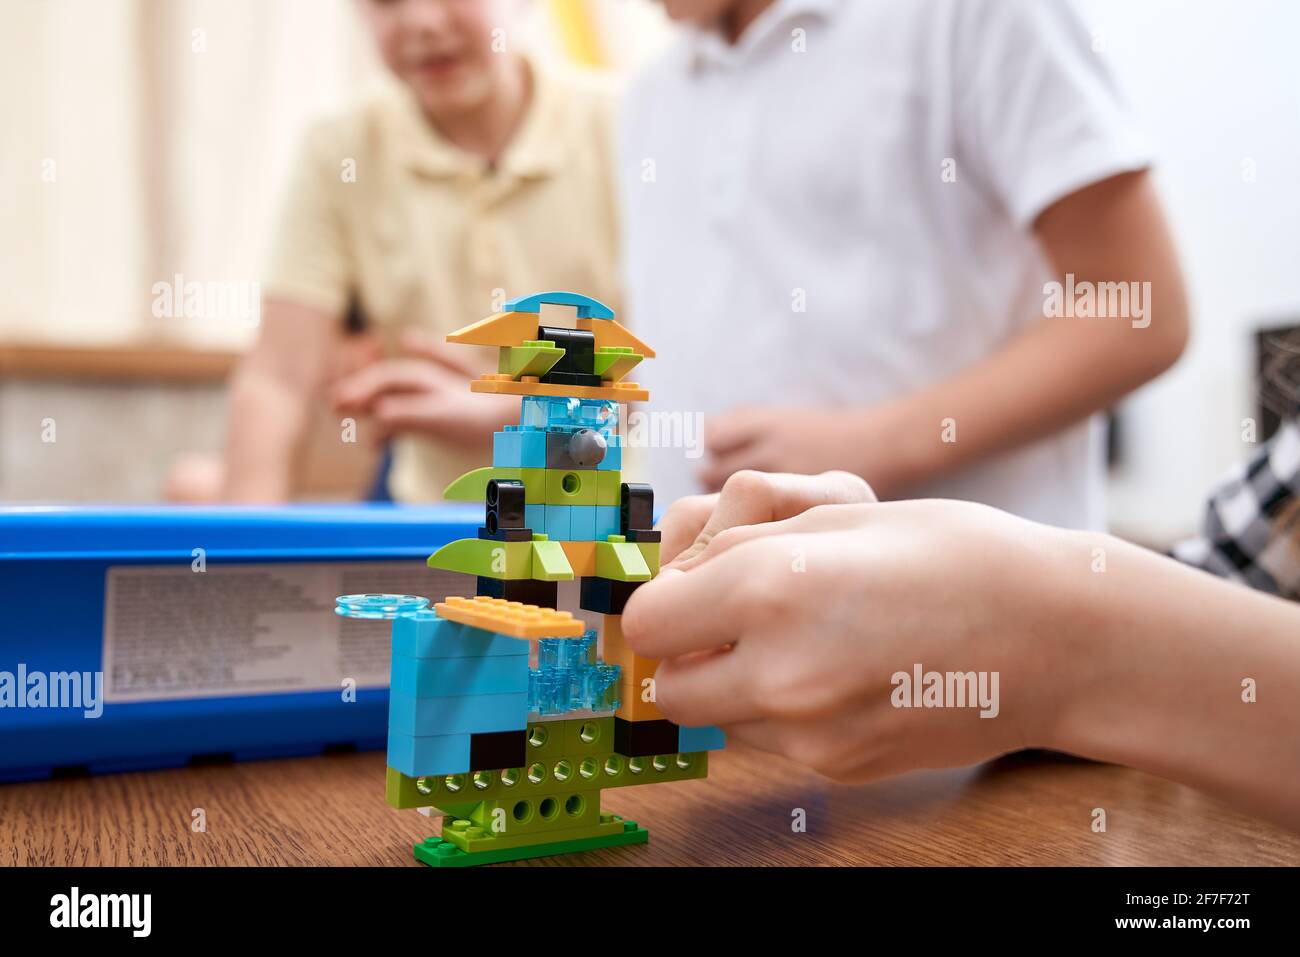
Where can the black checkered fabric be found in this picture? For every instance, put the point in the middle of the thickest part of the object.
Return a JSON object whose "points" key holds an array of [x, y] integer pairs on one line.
{"points": [[1249, 533]]}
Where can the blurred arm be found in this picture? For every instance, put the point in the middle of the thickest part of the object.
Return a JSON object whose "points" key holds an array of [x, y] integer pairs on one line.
{"points": [[1062, 370], [272, 394]]}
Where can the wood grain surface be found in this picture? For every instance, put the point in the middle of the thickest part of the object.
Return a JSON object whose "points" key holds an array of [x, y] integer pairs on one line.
{"points": [[1024, 809]]}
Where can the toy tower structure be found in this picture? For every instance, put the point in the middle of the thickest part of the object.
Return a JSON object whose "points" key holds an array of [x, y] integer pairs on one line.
{"points": [[515, 756]]}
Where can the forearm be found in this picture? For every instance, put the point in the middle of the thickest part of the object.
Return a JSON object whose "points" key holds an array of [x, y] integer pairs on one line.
{"points": [[1050, 377], [267, 424], [1158, 668], [1065, 368]]}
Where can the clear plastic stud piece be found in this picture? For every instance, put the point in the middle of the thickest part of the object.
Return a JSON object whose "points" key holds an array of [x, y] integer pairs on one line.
{"points": [[380, 607]]}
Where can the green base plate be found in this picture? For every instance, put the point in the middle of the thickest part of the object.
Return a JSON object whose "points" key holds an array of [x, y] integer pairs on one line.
{"points": [[436, 852]]}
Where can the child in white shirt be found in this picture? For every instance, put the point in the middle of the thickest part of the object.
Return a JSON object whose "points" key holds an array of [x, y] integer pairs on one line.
{"points": [[840, 220]]}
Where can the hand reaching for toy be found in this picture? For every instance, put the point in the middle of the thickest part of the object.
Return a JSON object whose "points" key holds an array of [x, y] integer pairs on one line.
{"points": [[424, 392], [752, 498], [790, 635]]}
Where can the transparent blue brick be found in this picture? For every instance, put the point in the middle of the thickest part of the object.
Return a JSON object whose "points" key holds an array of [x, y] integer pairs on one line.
{"points": [[560, 414], [534, 689], [611, 699], [555, 692]]}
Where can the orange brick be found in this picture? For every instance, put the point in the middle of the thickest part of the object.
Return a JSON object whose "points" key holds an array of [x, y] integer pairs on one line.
{"points": [[510, 617], [582, 558]]}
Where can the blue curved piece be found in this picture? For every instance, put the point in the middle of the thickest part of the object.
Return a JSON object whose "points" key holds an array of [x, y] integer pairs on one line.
{"points": [[382, 607], [588, 308]]}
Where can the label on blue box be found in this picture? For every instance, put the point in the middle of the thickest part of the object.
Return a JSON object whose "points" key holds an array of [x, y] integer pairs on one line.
{"points": [[173, 633]]}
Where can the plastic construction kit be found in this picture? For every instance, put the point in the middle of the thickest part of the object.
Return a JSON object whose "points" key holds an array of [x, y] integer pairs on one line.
{"points": [[515, 756]]}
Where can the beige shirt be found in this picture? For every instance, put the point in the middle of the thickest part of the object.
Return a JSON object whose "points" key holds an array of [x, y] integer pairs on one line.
{"points": [[425, 236]]}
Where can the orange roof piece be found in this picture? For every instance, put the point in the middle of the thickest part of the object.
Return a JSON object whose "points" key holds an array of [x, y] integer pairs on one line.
{"points": [[510, 617], [530, 385], [500, 329]]}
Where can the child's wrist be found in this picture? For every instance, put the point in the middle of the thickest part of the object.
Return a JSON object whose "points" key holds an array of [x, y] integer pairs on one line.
{"points": [[1090, 642], [897, 451], [1032, 604]]}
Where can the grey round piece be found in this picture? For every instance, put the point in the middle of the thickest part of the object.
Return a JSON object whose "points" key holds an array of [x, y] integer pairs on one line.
{"points": [[587, 448]]}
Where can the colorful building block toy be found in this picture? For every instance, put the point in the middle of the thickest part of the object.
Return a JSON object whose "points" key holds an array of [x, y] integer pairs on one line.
{"points": [[516, 757]]}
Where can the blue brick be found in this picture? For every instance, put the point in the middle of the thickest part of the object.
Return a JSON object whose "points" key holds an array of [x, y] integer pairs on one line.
{"points": [[465, 714], [582, 522], [613, 460], [433, 677], [425, 635], [507, 449], [519, 448], [558, 522], [428, 755], [690, 740], [607, 522], [535, 518], [588, 308]]}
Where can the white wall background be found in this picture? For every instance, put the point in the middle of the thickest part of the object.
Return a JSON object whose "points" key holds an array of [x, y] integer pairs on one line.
{"points": [[1218, 85]]}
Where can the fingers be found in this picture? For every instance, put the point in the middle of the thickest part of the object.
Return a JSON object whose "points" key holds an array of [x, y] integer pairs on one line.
{"points": [[715, 471], [422, 345], [353, 354], [751, 498], [681, 612], [734, 429], [821, 518], [359, 391], [682, 522], [411, 412], [705, 689]]}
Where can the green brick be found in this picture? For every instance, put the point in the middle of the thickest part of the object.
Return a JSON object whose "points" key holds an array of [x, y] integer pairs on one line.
{"points": [[650, 552], [533, 357], [621, 560], [437, 852], [535, 813], [546, 740], [534, 486], [400, 791], [583, 483], [472, 486], [609, 488], [587, 736], [550, 564], [586, 772], [479, 556]]}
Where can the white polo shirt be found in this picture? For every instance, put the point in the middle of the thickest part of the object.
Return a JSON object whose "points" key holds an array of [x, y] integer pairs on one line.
{"points": [[837, 210]]}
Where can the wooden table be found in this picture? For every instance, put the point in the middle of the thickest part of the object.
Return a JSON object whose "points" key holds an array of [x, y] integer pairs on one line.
{"points": [[1026, 809]]}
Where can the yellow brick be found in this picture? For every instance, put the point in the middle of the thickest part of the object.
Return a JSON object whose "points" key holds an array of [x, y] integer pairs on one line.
{"points": [[510, 617]]}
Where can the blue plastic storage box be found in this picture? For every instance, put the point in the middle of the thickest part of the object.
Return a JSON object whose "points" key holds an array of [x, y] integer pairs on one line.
{"points": [[208, 633]]}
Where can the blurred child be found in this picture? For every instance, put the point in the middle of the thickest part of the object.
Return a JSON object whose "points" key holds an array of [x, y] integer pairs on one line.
{"points": [[842, 219], [478, 176]]}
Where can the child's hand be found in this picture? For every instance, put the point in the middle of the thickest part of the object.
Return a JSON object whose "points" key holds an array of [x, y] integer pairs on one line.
{"points": [[788, 634], [752, 498], [426, 393], [876, 442]]}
